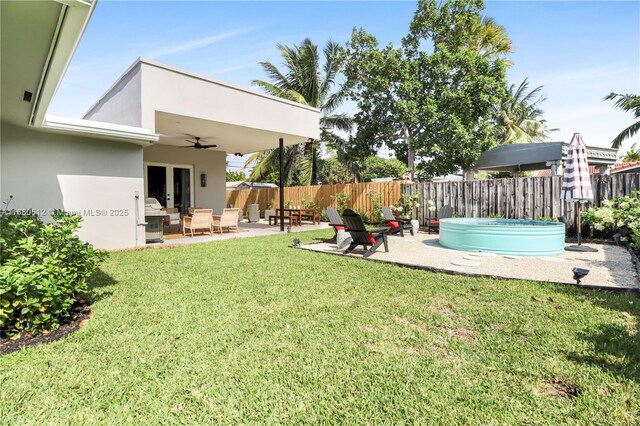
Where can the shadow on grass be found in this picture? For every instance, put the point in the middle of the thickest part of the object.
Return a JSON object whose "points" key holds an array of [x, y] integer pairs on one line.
{"points": [[97, 284], [613, 348]]}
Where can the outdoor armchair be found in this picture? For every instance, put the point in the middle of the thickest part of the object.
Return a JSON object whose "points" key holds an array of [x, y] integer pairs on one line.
{"points": [[200, 220], [445, 212], [229, 219], [396, 226], [172, 217], [370, 239], [335, 221]]}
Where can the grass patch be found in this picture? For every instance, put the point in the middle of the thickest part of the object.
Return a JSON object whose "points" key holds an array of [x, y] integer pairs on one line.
{"points": [[251, 331]]}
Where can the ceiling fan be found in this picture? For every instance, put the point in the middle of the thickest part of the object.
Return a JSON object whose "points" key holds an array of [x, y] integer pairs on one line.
{"points": [[197, 144]]}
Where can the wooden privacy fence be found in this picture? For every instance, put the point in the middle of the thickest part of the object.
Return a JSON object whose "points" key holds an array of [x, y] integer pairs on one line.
{"points": [[517, 197], [321, 194]]}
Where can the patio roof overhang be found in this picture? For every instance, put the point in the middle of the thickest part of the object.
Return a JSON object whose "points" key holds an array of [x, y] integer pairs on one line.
{"points": [[179, 105], [538, 156], [38, 41]]}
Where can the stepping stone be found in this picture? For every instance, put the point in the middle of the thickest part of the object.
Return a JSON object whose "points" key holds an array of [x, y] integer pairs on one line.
{"points": [[551, 259], [464, 262], [472, 257], [482, 254], [512, 256]]}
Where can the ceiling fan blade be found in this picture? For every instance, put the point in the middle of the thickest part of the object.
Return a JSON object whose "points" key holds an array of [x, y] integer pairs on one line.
{"points": [[193, 142], [208, 146], [186, 146]]}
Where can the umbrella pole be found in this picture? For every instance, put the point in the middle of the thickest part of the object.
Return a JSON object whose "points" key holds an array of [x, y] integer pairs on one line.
{"points": [[579, 222]]}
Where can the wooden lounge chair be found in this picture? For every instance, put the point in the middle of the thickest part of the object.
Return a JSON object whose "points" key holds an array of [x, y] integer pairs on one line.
{"points": [[360, 236], [229, 219], [445, 212], [395, 226], [335, 221], [200, 220]]}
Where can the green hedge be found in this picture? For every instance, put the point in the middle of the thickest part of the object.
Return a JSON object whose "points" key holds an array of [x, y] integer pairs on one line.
{"points": [[44, 269]]}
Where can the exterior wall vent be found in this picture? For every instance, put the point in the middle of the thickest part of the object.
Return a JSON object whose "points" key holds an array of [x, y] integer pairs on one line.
{"points": [[27, 96]]}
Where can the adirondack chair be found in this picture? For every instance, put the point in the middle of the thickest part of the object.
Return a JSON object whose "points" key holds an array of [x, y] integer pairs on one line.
{"points": [[444, 212], [360, 236], [395, 226], [335, 221]]}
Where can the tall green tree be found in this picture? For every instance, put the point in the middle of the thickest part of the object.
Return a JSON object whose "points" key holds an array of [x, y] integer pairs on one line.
{"points": [[378, 167], [626, 103], [235, 175], [308, 79], [518, 118], [433, 97]]}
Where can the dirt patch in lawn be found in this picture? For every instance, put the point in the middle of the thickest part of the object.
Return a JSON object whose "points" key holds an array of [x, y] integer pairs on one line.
{"points": [[464, 334], [559, 387], [80, 315]]}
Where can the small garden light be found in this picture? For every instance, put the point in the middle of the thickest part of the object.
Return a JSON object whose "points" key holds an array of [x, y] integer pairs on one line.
{"points": [[579, 274]]}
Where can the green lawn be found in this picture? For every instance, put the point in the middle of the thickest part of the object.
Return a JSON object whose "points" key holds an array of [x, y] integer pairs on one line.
{"points": [[251, 331]]}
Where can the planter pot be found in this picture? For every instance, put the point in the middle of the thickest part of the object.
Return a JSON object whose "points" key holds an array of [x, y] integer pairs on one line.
{"points": [[415, 225], [343, 239], [268, 213]]}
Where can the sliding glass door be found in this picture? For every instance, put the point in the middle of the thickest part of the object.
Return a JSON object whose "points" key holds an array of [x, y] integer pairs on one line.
{"points": [[171, 185]]}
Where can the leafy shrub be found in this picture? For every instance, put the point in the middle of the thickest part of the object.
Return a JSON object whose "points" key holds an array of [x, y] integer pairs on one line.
{"points": [[622, 215], [342, 201], [308, 203], [407, 204], [375, 216], [547, 219], [43, 270]]}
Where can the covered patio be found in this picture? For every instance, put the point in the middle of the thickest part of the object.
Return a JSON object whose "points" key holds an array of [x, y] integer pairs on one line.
{"points": [[199, 122]]}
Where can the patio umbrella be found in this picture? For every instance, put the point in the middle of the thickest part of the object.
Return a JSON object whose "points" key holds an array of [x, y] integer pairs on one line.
{"points": [[576, 183]]}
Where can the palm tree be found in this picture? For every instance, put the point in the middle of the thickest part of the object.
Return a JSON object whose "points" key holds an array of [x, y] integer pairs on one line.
{"points": [[626, 103], [632, 155], [519, 118], [304, 80], [492, 40]]}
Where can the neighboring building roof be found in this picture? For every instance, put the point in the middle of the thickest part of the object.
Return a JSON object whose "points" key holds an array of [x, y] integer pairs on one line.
{"points": [[626, 168], [537, 156], [231, 186], [594, 170]]}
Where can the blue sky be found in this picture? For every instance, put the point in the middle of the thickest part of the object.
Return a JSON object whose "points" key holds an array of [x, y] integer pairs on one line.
{"points": [[579, 50]]}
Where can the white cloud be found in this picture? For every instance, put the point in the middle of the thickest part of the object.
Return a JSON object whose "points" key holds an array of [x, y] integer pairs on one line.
{"points": [[198, 43]]}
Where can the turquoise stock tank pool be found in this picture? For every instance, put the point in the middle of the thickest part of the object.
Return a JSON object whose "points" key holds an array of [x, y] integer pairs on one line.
{"points": [[520, 237]]}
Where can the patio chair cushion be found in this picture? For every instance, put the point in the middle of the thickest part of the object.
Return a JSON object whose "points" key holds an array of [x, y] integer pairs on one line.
{"points": [[372, 238], [435, 222], [393, 224], [339, 228]]}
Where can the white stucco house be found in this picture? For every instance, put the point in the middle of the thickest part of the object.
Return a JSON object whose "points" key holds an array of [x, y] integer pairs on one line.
{"points": [[129, 145]]}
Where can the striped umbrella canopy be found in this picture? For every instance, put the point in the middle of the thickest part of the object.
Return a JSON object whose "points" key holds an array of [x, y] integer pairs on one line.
{"points": [[576, 184]]}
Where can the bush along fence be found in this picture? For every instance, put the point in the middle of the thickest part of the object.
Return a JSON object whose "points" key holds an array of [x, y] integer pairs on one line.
{"points": [[537, 198], [356, 196]]}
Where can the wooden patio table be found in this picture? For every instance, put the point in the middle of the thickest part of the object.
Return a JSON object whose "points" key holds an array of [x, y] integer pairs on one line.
{"points": [[297, 213]]}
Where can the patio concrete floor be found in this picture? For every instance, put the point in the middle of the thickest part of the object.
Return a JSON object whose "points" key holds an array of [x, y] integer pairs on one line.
{"points": [[247, 230], [611, 267]]}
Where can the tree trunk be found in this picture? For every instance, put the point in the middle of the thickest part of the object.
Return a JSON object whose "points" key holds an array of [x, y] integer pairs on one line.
{"points": [[411, 153]]}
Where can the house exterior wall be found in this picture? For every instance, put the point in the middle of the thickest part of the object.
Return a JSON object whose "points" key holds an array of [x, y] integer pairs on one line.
{"points": [[95, 177], [212, 163], [123, 103]]}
